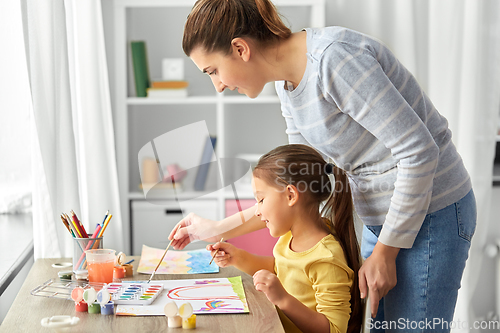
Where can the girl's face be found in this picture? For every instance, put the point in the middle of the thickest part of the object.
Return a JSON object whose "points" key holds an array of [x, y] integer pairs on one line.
{"points": [[233, 71], [273, 207]]}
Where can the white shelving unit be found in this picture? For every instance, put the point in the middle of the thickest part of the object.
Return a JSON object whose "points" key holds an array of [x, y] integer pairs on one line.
{"points": [[136, 118]]}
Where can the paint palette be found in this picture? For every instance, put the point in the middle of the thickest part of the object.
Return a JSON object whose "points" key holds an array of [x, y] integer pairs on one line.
{"points": [[134, 293]]}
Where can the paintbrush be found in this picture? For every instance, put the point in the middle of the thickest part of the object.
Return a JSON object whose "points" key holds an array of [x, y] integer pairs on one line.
{"points": [[216, 251], [161, 260]]}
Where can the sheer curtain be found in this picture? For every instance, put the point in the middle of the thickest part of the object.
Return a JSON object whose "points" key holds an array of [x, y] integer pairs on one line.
{"points": [[72, 144], [452, 47]]}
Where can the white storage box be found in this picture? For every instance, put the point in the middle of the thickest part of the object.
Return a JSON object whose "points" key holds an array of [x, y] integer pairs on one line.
{"points": [[152, 223]]}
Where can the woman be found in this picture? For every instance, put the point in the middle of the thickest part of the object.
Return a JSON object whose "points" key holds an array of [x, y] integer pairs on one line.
{"points": [[346, 95]]}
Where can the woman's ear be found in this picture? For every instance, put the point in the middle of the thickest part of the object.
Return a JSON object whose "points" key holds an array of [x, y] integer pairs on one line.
{"points": [[241, 48], [292, 195]]}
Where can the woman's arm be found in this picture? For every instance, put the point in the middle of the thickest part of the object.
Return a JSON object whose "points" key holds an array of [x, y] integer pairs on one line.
{"points": [[195, 227]]}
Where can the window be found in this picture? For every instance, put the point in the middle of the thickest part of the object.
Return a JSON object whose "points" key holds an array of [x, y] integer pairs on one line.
{"points": [[15, 160]]}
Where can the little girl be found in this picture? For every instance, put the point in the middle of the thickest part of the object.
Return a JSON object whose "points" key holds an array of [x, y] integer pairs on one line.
{"points": [[312, 276]]}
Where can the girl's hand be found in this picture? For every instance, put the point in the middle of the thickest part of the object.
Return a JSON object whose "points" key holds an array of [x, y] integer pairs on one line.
{"points": [[270, 285], [377, 275], [227, 255], [193, 227]]}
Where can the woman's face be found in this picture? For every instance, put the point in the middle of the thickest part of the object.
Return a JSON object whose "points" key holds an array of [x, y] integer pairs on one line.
{"points": [[232, 71]]}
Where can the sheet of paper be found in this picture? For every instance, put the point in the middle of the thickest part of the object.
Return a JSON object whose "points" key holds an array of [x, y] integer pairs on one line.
{"points": [[207, 296], [176, 262]]}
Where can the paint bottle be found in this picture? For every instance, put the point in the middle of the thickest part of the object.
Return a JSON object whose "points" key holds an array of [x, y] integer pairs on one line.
{"points": [[77, 296], [94, 308], [108, 308], [189, 323], [118, 273], [81, 306], [129, 270], [174, 320], [188, 318]]}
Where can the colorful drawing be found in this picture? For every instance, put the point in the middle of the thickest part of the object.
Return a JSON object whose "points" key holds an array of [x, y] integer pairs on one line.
{"points": [[222, 295], [176, 262]]}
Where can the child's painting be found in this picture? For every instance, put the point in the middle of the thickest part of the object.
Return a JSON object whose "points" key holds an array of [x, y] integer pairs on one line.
{"points": [[176, 262], [207, 296]]}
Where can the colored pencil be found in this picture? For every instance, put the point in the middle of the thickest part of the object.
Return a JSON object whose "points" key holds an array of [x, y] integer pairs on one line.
{"points": [[105, 225], [89, 245], [105, 217], [216, 251], [74, 227], [79, 224], [67, 225]]}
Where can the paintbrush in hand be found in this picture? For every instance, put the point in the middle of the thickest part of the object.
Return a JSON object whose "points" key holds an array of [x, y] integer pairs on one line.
{"points": [[216, 251], [161, 260]]}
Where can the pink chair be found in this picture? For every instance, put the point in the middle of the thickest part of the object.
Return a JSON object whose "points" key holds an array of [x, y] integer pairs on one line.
{"points": [[258, 242]]}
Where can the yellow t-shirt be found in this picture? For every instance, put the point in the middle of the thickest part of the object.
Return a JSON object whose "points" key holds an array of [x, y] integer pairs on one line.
{"points": [[318, 277]]}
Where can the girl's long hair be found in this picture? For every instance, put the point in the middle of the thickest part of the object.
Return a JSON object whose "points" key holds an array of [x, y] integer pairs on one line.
{"points": [[305, 168], [213, 24]]}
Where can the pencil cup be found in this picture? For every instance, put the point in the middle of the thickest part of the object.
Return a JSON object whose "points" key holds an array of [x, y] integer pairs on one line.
{"points": [[79, 247]]}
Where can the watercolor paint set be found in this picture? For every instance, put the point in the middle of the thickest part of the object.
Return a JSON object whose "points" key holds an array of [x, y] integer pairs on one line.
{"points": [[134, 293]]}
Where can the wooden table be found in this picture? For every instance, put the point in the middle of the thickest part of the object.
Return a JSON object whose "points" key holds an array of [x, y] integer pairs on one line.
{"points": [[27, 310]]}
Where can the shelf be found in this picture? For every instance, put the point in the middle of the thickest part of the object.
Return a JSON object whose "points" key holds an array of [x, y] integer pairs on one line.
{"points": [[170, 195], [243, 193], [203, 100], [246, 100], [164, 101], [190, 3]]}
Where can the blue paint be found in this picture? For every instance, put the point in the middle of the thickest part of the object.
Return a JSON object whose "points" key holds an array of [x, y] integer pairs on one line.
{"points": [[199, 262], [108, 309]]}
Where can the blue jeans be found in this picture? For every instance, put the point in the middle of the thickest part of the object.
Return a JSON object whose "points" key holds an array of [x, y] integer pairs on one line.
{"points": [[429, 273]]}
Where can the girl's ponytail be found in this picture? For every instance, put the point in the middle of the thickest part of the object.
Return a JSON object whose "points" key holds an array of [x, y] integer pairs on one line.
{"points": [[339, 209]]}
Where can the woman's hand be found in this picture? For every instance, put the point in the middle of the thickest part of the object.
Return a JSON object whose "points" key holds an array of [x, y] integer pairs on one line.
{"points": [[270, 285], [193, 227], [227, 255], [378, 274]]}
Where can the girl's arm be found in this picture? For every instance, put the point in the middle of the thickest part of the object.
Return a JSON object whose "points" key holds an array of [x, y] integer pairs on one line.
{"points": [[230, 255], [305, 319], [195, 227]]}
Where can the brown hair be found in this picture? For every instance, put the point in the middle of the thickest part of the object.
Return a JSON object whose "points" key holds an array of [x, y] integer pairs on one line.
{"points": [[305, 168], [213, 24]]}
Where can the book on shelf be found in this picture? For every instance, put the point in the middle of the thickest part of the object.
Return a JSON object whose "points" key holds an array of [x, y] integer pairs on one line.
{"points": [[166, 93], [206, 157], [162, 84], [140, 66], [162, 186]]}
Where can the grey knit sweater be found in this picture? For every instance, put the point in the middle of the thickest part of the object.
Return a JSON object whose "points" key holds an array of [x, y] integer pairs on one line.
{"points": [[358, 105]]}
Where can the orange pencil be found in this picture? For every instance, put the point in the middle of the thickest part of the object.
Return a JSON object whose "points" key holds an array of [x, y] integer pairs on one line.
{"points": [[67, 225]]}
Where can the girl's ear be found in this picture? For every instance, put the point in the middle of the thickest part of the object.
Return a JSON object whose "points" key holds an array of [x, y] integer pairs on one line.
{"points": [[292, 195], [241, 48]]}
